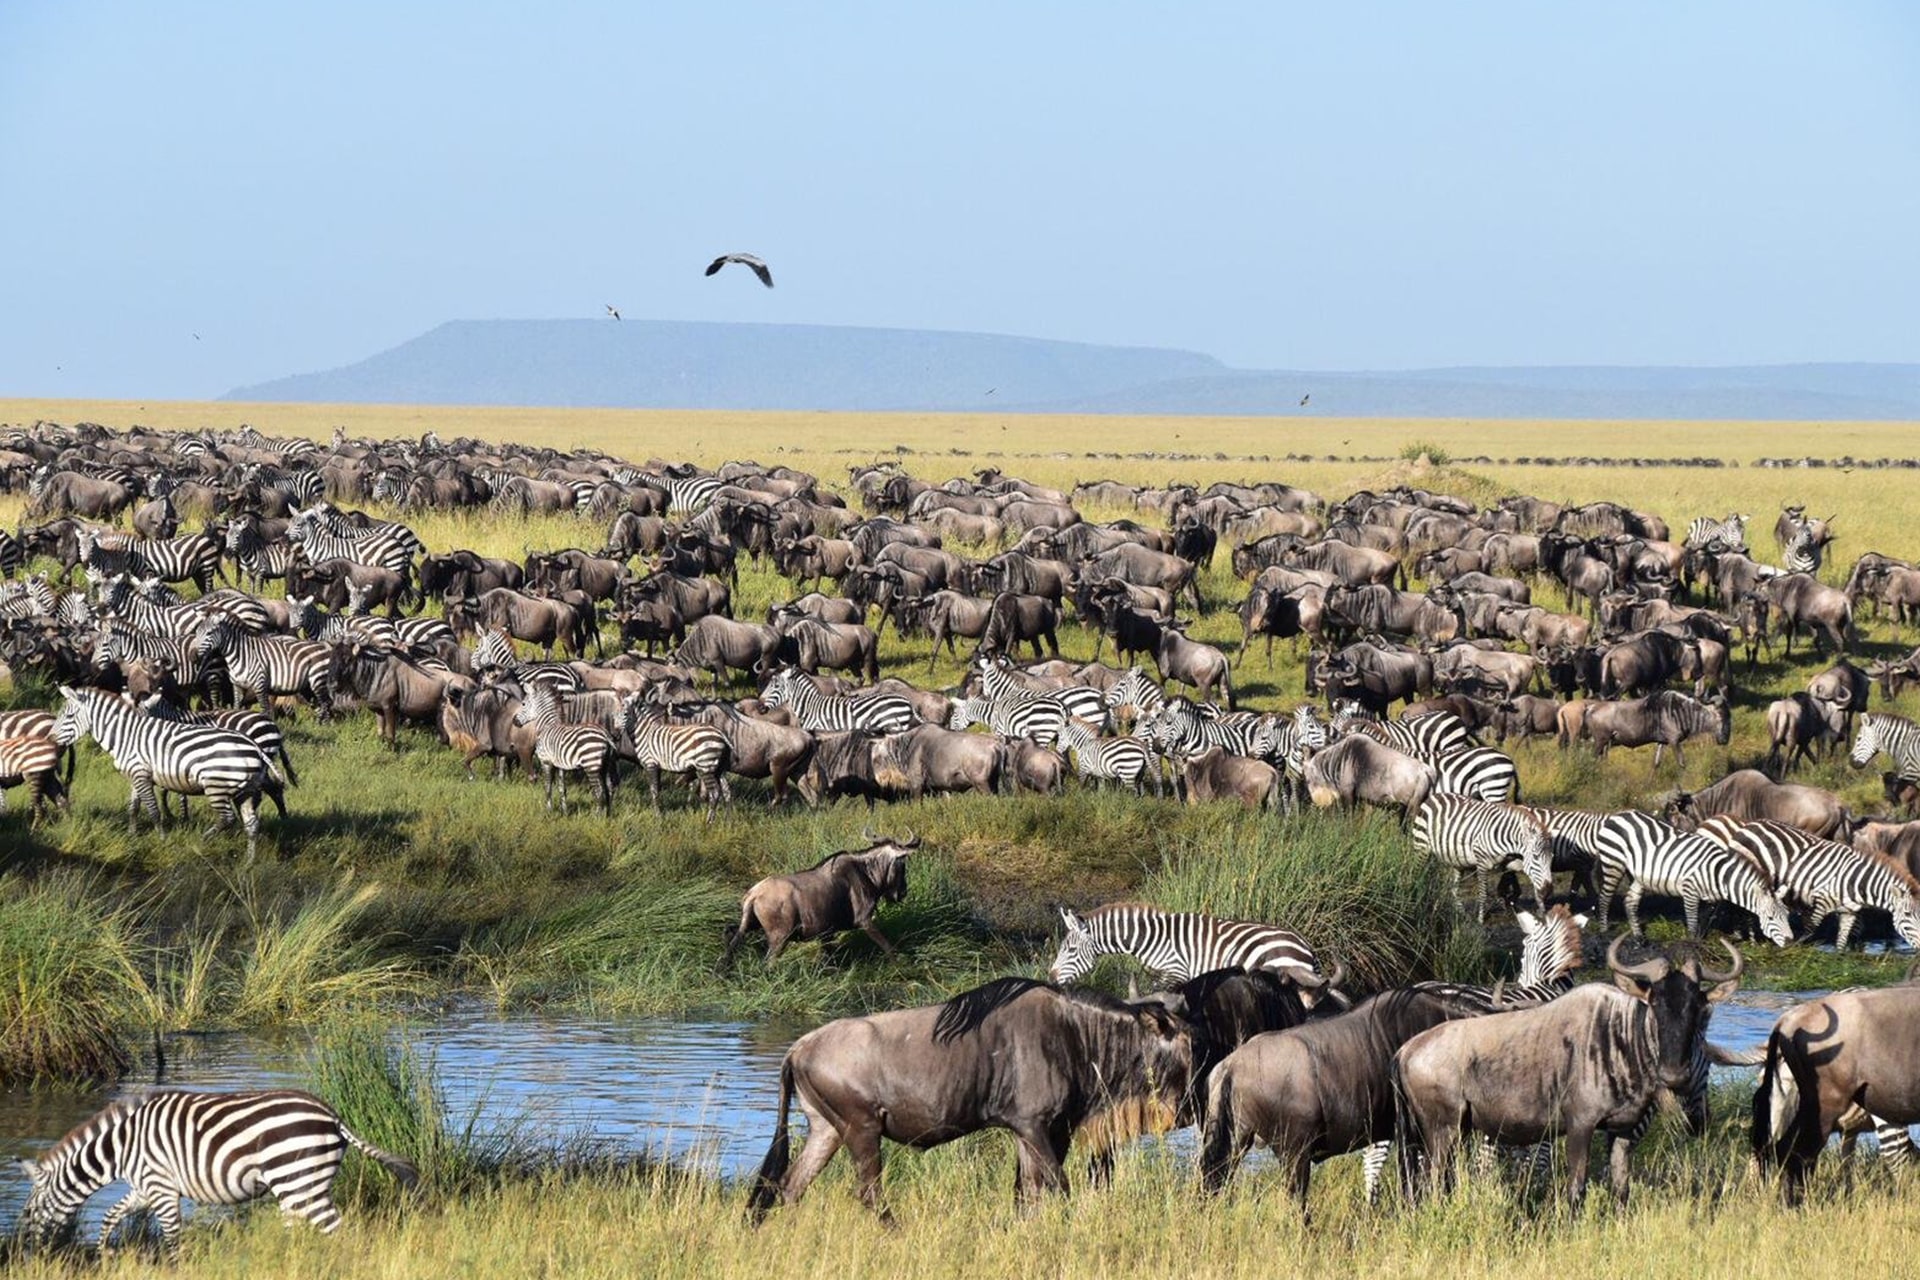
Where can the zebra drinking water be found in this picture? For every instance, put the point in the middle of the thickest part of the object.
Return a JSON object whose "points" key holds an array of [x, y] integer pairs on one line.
{"points": [[1824, 877], [1647, 853], [1485, 837]]}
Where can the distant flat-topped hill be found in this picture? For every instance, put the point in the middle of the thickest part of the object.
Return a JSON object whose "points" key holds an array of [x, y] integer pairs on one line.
{"points": [[662, 364]]}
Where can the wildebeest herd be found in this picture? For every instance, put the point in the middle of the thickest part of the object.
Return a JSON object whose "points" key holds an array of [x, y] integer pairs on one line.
{"points": [[181, 588]]}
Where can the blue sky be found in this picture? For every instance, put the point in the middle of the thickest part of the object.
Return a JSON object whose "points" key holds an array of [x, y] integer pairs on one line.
{"points": [[1317, 186]]}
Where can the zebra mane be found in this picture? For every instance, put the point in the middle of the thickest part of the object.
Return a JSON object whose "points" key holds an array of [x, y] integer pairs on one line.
{"points": [[87, 1130]]}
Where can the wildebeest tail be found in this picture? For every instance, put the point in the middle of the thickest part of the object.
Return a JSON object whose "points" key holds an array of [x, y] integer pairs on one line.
{"points": [[1216, 1132], [1786, 1105], [773, 1168], [1407, 1134]]}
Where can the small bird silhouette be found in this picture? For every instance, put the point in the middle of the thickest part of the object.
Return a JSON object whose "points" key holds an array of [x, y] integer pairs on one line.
{"points": [[1305, 398], [991, 390], [745, 260], [613, 311], [196, 337]]}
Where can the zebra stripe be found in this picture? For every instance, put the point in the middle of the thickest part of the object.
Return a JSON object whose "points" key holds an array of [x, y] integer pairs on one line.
{"points": [[1428, 738], [270, 666], [264, 730], [1117, 759], [325, 534], [1181, 730], [495, 653], [285, 446], [1176, 946], [1484, 837], [1136, 693], [1707, 533], [193, 557], [685, 494], [1480, 772], [1823, 877], [120, 645], [1803, 552], [261, 560], [315, 623], [696, 751], [563, 748], [214, 1148], [32, 760], [13, 555], [1576, 837], [1897, 736], [998, 683], [1039, 722], [1647, 853], [819, 712], [187, 759]]}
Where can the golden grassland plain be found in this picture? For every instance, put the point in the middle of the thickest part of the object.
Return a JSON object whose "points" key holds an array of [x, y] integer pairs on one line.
{"points": [[503, 898]]}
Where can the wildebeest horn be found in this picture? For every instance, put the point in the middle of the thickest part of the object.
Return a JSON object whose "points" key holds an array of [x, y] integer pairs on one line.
{"points": [[1647, 971], [867, 834], [1729, 975], [911, 842]]}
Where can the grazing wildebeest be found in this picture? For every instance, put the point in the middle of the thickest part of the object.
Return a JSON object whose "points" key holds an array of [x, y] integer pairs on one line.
{"points": [[1358, 769], [720, 646], [1214, 775], [1664, 719], [1842, 691], [1794, 725], [534, 619], [1014, 619], [1595, 1060], [60, 493], [1751, 795], [1189, 662], [837, 893], [1825, 1058], [1801, 600], [1014, 1054], [930, 758]]}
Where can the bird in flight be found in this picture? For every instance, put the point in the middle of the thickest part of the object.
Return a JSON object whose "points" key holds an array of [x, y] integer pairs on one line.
{"points": [[196, 337], [745, 260], [613, 311], [1305, 398]]}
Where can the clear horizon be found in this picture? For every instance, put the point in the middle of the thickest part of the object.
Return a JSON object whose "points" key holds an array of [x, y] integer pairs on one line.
{"points": [[209, 196]]}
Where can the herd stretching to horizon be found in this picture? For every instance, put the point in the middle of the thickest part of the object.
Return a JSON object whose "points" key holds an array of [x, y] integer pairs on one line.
{"points": [[173, 650]]}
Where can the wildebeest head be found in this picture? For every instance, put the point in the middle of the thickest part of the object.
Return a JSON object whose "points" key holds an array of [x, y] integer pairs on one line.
{"points": [[886, 859], [1674, 995]]}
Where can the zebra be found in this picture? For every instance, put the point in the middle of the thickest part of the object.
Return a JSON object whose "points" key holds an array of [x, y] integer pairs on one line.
{"points": [[818, 712], [563, 748], [120, 644], [213, 1148], [998, 683], [667, 746], [13, 556], [1136, 692], [685, 494], [1647, 853], [1040, 722], [1427, 738], [189, 759], [259, 559], [285, 446], [269, 666], [263, 729], [1825, 877], [1480, 772], [33, 760], [1898, 736], [1120, 759], [1483, 837], [1576, 837], [323, 534], [1709, 534], [495, 652], [193, 557], [1180, 945], [310, 620], [1181, 730], [1804, 552], [122, 600]]}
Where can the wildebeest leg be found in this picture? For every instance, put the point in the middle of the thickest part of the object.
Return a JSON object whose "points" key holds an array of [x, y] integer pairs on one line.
{"points": [[1618, 1168], [1659, 747], [862, 1136], [1579, 1147], [824, 1139], [872, 930], [1037, 1169]]}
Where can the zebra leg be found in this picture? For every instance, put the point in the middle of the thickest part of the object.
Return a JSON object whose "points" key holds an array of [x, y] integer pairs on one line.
{"points": [[1846, 931], [1896, 1145], [549, 770], [1634, 893], [1480, 896], [166, 1207], [563, 789], [1690, 903], [1374, 1161], [132, 1202], [653, 786]]}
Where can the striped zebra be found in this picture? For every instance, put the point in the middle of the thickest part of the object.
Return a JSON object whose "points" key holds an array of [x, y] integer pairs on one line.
{"points": [[423, 634], [1576, 840], [121, 645], [1897, 736], [263, 729], [1118, 759], [1480, 772], [307, 618], [563, 749], [1180, 945], [685, 494], [212, 1148], [495, 652], [323, 534], [1823, 877], [260, 560], [271, 666], [997, 682], [13, 555], [1136, 693], [34, 761], [122, 599], [285, 446], [193, 557], [1645, 853], [1804, 551], [1182, 730], [1484, 837], [187, 759], [1427, 738], [818, 712], [663, 745], [1709, 534], [1040, 722]]}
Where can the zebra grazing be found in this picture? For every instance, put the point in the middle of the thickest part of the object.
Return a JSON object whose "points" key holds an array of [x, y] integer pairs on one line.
{"points": [[33, 761], [1897, 736], [263, 667], [1576, 838], [187, 759], [667, 746], [1427, 738], [1484, 837], [323, 534], [315, 623], [997, 682], [193, 557], [1120, 759], [563, 748], [818, 712], [213, 1148], [1709, 534], [1479, 772], [1646, 853], [1180, 945], [1824, 877], [1040, 722], [1135, 693], [495, 653]]}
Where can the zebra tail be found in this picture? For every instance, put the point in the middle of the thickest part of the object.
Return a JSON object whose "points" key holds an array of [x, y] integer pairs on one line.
{"points": [[286, 764], [773, 1169], [403, 1170]]}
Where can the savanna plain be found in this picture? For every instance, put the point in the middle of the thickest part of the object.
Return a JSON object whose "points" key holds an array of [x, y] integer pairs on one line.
{"points": [[397, 886]]}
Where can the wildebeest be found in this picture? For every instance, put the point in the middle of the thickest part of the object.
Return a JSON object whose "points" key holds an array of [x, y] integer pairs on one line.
{"points": [[758, 747], [1664, 719], [837, 893], [1592, 1061], [1146, 567], [391, 685], [1800, 600], [721, 646], [1214, 775], [1357, 769], [1794, 724], [830, 646], [480, 722], [1189, 662], [1524, 717], [1014, 1054], [930, 758], [1751, 795], [1373, 676], [1014, 619], [1824, 1058]]}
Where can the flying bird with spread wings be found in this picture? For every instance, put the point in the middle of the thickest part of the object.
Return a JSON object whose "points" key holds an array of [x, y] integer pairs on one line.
{"points": [[613, 311], [745, 260]]}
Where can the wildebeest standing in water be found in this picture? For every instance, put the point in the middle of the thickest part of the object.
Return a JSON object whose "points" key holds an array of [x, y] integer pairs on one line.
{"points": [[837, 893], [1014, 1054]]}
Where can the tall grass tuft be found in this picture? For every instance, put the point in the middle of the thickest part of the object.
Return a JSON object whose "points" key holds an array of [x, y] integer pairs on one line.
{"points": [[299, 967], [72, 980]]}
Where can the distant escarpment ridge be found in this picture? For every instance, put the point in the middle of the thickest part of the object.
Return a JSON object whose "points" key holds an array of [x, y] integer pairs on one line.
{"points": [[664, 364]]}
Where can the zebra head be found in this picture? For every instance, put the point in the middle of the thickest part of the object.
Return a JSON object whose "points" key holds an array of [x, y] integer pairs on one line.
{"points": [[75, 720], [1775, 924], [1550, 947], [1906, 915], [215, 637], [779, 689], [1078, 951], [47, 1217], [1865, 743], [494, 650], [538, 705], [967, 712]]}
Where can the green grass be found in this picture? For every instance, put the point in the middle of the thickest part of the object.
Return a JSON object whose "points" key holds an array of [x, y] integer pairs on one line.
{"points": [[71, 979]]}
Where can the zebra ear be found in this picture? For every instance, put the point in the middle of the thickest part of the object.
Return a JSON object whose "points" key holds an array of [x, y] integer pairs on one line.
{"points": [[29, 1167]]}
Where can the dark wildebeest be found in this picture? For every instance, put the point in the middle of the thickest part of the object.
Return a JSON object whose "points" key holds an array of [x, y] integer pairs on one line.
{"points": [[759, 748], [467, 573], [1215, 775], [1359, 770], [1794, 725], [1374, 677], [841, 765], [479, 722], [721, 646], [1594, 1060], [1524, 717], [946, 614], [837, 893], [1014, 1054], [1146, 567], [1466, 664], [830, 646], [648, 622], [1354, 566], [1269, 613], [1189, 662], [1751, 795], [1896, 841], [60, 493], [1027, 766], [1801, 600], [820, 608], [1664, 719], [928, 757], [1826, 1057], [1842, 691], [534, 619], [1014, 619], [389, 684], [1645, 662]]}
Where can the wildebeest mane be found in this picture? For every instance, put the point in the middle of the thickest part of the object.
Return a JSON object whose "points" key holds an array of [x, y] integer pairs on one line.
{"points": [[968, 1011]]}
